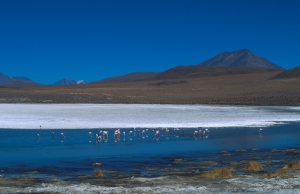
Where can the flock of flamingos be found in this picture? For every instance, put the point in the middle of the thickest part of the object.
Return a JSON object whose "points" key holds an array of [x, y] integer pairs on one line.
{"points": [[137, 133]]}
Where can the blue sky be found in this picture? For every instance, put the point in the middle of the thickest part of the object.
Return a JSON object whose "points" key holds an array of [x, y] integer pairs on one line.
{"points": [[47, 40]]}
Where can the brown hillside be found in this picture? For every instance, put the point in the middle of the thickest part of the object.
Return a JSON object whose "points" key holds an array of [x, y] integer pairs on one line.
{"points": [[129, 77], [205, 71], [289, 74], [239, 89]]}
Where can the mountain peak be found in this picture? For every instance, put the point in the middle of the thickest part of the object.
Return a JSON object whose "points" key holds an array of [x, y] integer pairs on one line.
{"points": [[240, 58], [68, 81], [65, 81]]}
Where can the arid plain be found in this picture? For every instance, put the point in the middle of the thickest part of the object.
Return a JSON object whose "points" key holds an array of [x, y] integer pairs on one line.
{"points": [[237, 89]]}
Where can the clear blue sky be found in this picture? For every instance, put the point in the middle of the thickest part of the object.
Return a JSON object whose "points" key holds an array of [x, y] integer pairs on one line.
{"points": [[47, 40]]}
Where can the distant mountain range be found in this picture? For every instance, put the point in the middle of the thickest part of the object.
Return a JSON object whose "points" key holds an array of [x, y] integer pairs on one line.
{"points": [[18, 82], [226, 63], [12, 82]]}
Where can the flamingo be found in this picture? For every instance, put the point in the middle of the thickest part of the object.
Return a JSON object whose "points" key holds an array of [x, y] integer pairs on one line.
{"points": [[167, 131], [157, 133], [90, 134], [176, 132], [62, 137], [117, 134], [98, 137], [196, 134], [105, 135], [37, 137], [206, 132]]}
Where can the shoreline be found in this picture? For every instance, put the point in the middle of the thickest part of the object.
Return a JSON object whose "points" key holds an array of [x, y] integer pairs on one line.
{"points": [[278, 180]]}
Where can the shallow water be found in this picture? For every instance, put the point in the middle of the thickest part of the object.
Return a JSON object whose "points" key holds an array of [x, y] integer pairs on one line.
{"points": [[23, 151], [173, 162]]}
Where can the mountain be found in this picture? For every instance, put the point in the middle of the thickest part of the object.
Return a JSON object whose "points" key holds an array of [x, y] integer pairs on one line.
{"points": [[5, 79], [288, 74], [65, 81], [226, 63], [241, 58], [129, 77], [16, 82], [22, 78], [20, 84], [80, 82]]}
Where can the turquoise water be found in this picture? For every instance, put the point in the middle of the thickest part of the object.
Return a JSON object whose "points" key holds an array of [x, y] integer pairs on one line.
{"points": [[45, 155]]}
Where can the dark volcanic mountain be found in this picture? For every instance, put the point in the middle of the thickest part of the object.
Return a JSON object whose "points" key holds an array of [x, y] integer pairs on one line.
{"points": [[65, 81], [129, 77], [288, 74], [241, 58], [226, 63]]}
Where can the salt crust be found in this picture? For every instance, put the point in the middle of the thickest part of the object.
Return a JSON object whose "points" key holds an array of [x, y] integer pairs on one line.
{"points": [[88, 116]]}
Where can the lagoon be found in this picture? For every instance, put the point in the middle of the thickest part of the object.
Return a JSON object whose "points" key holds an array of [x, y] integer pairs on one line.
{"points": [[145, 163]]}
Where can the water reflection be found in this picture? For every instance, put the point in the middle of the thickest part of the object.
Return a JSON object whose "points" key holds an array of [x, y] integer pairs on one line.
{"points": [[136, 135]]}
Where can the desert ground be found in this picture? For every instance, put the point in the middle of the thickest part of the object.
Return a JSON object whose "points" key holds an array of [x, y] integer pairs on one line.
{"points": [[239, 89]]}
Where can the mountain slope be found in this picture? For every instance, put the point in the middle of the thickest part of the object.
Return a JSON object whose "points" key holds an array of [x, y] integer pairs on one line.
{"points": [[288, 74], [129, 77], [20, 84], [5, 78], [241, 58], [22, 78], [16, 82], [204, 71]]}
